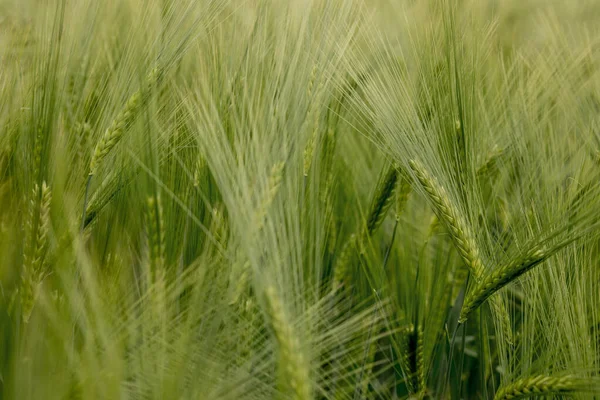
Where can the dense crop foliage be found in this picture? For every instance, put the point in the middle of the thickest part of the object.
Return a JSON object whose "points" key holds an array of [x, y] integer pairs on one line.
{"points": [[299, 199]]}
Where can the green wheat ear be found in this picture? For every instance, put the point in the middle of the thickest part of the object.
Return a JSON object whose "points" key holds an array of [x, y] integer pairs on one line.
{"points": [[114, 133], [543, 385], [503, 276], [450, 218], [293, 365], [382, 200], [461, 237], [274, 184], [156, 231], [340, 271], [33, 259]]}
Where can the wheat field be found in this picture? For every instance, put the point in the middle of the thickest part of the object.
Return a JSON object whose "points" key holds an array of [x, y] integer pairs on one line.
{"points": [[299, 199]]}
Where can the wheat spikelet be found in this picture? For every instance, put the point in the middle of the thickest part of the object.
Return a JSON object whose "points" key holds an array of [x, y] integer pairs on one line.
{"points": [[420, 384], [33, 259], [293, 366], [123, 121], [411, 357], [504, 324], [460, 235], [275, 179], [156, 242], [501, 277], [368, 367], [489, 165], [382, 200], [309, 151], [403, 192], [156, 233], [540, 385], [448, 215], [434, 225], [83, 132], [37, 155], [341, 266], [241, 276]]}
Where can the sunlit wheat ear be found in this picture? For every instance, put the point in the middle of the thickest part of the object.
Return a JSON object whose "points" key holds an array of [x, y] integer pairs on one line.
{"points": [[33, 259], [123, 121], [450, 218], [293, 366], [502, 276], [544, 385]]}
